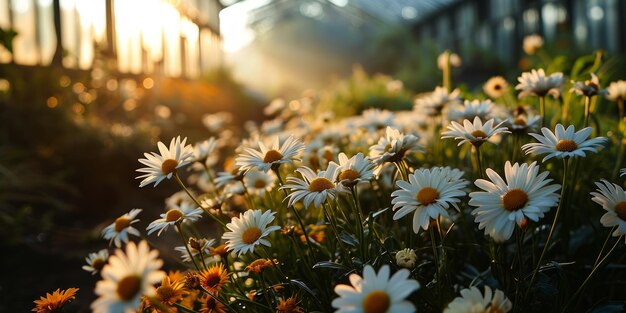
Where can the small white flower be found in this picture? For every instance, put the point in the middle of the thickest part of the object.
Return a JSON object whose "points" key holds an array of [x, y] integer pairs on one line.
{"points": [[502, 204], [236, 174], [445, 57], [375, 119], [612, 198], [217, 122], [119, 230], [206, 246], [523, 123], [406, 258], [314, 188], [96, 261], [428, 193], [532, 44], [272, 156], [433, 103], [176, 214], [588, 88], [536, 83], [127, 278], [376, 292], [204, 151], [355, 169], [475, 133], [258, 182], [473, 301], [276, 106], [482, 109], [496, 87], [393, 146], [165, 164], [564, 143], [616, 91], [249, 230], [622, 172]]}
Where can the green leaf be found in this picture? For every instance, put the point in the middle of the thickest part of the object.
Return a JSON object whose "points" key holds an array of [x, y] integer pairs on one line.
{"points": [[329, 264]]}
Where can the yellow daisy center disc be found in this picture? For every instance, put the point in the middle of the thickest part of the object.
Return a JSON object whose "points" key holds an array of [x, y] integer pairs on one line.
{"points": [[98, 264], [566, 145], [173, 215], [349, 174], [251, 235], [320, 184], [376, 302], [260, 183], [121, 223], [427, 195], [166, 293], [514, 199], [620, 209], [519, 122], [128, 287], [479, 134], [272, 156], [169, 166]]}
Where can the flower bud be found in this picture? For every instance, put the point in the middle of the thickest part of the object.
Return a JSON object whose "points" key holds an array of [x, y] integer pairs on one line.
{"points": [[406, 258]]}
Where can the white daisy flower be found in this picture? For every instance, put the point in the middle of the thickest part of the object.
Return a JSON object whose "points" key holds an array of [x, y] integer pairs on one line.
{"points": [[164, 165], [393, 146], [127, 278], [314, 188], [248, 230], [484, 109], [433, 103], [406, 258], [376, 293], [588, 88], [177, 199], [258, 182], [205, 247], [119, 230], [205, 151], [355, 169], [217, 122], [523, 123], [622, 172], [375, 119], [564, 143], [612, 198], [524, 194], [447, 56], [429, 192], [475, 133], [616, 91], [536, 83], [532, 44], [96, 261], [227, 177], [272, 156], [276, 106], [176, 214], [496, 87], [473, 301]]}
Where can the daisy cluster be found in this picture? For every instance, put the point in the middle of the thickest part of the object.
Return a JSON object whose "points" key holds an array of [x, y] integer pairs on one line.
{"points": [[455, 205]]}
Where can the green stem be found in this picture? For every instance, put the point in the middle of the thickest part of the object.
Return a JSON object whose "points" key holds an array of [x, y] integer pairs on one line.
{"points": [[182, 185], [593, 271], [587, 110], [328, 212], [435, 256], [359, 215], [556, 217], [542, 110], [216, 298], [604, 246], [182, 238], [266, 291], [481, 172]]}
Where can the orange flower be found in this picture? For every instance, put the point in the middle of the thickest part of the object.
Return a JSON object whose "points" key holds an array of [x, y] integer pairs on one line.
{"points": [[219, 250], [289, 305], [169, 293], [176, 276], [258, 265], [56, 300], [209, 305], [214, 278], [316, 232]]}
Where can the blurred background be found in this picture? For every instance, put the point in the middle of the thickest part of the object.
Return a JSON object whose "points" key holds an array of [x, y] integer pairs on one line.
{"points": [[87, 86]]}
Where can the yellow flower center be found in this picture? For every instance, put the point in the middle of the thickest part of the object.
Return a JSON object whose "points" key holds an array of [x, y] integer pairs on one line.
{"points": [[320, 184], [479, 134], [272, 156], [166, 293], [427, 195], [620, 209], [328, 155], [566, 145], [519, 122], [121, 223], [97, 264], [173, 215], [251, 235], [497, 86], [169, 166], [376, 302], [260, 183], [494, 309], [349, 174], [213, 280], [514, 200], [128, 287]]}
